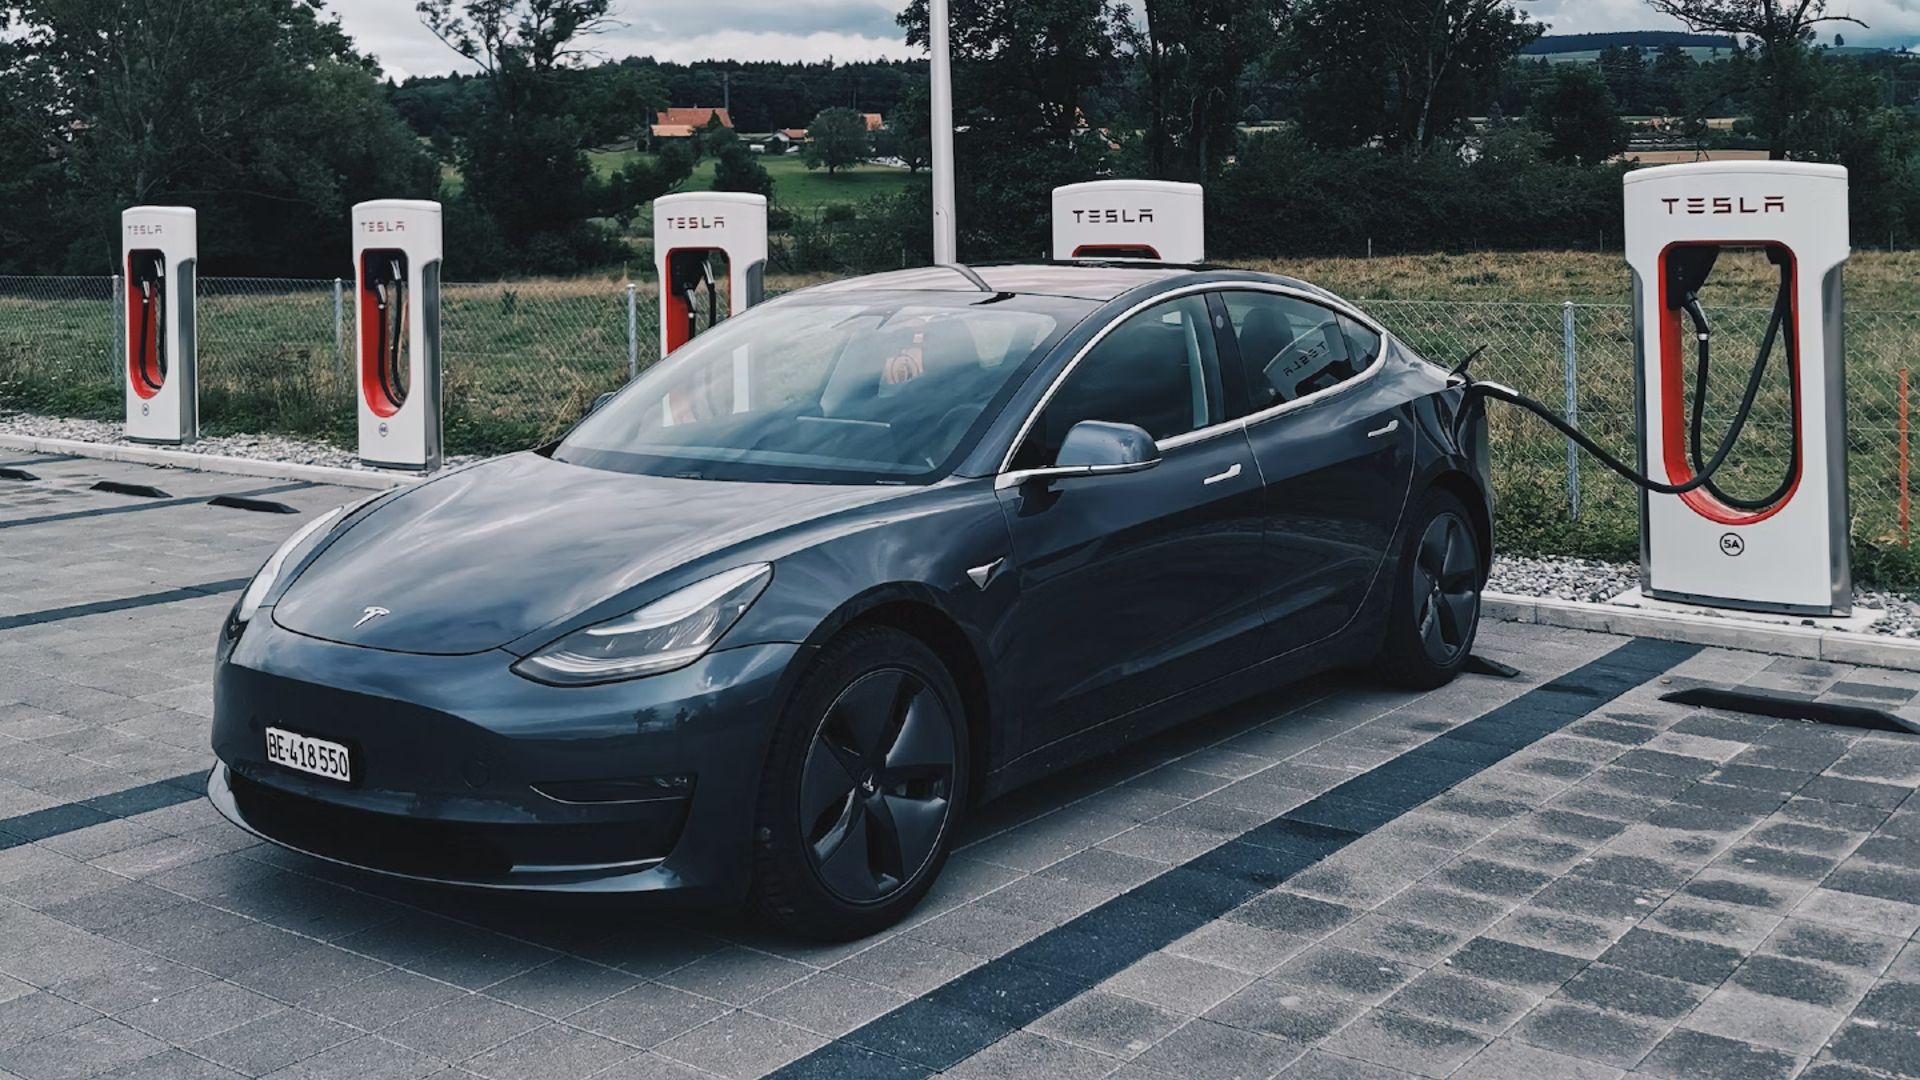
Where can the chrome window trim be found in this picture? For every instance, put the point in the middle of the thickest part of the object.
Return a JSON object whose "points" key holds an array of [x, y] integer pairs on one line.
{"points": [[1254, 419], [1225, 426]]}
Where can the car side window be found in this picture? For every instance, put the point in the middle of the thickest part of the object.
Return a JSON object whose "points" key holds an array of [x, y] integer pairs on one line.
{"points": [[1158, 370], [1292, 347]]}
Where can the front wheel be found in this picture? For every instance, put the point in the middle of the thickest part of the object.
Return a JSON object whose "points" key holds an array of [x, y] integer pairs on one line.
{"points": [[1436, 600], [862, 788]]}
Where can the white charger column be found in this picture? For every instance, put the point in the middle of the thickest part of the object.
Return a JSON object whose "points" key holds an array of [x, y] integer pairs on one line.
{"points": [[1157, 220], [160, 251], [397, 257], [688, 231], [1792, 556]]}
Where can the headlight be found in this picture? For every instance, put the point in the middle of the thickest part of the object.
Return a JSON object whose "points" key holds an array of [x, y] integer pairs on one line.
{"points": [[667, 634], [262, 582]]}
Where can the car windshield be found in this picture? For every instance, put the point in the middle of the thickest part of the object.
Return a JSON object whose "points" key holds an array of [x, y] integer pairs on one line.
{"points": [[828, 388]]}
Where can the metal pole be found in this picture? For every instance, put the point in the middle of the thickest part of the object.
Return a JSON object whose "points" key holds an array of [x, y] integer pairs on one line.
{"points": [[946, 230], [1570, 376], [633, 333], [340, 331]]}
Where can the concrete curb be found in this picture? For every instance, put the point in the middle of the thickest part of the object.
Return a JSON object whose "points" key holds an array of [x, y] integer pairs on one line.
{"points": [[1807, 642], [183, 459]]}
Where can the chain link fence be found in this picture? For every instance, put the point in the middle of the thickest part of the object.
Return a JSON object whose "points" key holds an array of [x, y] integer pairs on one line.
{"points": [[1579, 358], [523, 360]]}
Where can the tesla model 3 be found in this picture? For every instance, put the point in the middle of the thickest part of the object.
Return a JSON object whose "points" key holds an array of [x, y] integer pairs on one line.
{"points": [[766, 622]]}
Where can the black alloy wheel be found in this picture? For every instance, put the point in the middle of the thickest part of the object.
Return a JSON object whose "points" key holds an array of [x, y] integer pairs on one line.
{"points": [[1446, 588], [1436, 599], [877, 786], [863, 788]]}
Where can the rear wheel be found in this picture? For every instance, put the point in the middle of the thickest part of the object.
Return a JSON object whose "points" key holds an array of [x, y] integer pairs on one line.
{"points": [[862, 788], [1436, 602]]}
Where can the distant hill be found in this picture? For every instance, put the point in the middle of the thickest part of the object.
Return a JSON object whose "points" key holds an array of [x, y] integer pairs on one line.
{"points": [[1554, 44]]}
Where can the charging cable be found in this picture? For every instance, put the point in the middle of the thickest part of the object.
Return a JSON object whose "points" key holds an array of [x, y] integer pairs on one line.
{"points": [[1703, 472]]}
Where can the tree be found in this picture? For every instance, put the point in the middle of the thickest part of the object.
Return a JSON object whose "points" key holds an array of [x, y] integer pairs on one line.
{"points": [[1028, 79], [1783, 28], [713, 138], [30, 161], [837, 139], [1195, 52], [735, 169], [908, 135], [1626, 75], [1579, 118], [1673, 69], [258, 112], [618, 101], [643, 180], [1404, 70], [524, 162]]}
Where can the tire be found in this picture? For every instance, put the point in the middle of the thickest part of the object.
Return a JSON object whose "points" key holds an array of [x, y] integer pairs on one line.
{"points": [[1436, 596], [862, 789]]}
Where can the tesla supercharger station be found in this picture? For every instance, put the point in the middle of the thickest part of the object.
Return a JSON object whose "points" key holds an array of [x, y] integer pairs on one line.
{"points": [[690, 233], [160, 249], [1130, 219], [1789, 555], [397, 256]]}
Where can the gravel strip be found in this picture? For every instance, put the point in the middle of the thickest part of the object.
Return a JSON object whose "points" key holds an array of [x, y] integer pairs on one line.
{"points": [[1595, 582], [281, 448], [1587, 580]]}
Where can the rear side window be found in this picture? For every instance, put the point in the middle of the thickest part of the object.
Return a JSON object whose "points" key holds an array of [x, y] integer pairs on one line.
{"points": [[1292, 348]]}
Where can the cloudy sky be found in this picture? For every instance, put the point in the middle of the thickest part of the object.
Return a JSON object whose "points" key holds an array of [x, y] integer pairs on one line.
{"points": [[864, 29]]}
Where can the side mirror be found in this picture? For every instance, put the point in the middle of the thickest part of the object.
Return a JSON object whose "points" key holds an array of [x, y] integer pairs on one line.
{"points": [[599, 401], [1095, 448]]}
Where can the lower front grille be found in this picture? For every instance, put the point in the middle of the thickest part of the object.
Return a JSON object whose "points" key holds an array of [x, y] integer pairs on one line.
{"points": [[453, 851]]}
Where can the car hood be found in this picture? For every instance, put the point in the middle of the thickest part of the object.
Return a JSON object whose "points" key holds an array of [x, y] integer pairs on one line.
{"points": [[476, 559]]}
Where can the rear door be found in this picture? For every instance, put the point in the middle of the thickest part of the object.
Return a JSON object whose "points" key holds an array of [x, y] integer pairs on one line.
{"points": [[1335, 448]]}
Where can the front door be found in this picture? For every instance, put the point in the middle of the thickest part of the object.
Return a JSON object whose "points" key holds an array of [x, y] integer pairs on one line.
{"points": [[1134, 588]]}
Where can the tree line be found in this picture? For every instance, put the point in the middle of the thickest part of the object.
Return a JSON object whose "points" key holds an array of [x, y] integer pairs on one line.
{"points": [[1320, 126]]}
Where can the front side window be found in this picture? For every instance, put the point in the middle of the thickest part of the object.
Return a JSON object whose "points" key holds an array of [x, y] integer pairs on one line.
{"points": [[1159, 371], [835, 388], [1292, 347]]}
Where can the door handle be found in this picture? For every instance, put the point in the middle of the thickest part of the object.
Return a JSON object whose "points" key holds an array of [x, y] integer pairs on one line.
{"points": [[1217, 478], [1392, 426]]}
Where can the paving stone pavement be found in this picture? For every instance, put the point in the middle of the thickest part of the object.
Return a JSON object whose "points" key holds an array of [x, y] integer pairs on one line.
{"points": [[1615, 886]]}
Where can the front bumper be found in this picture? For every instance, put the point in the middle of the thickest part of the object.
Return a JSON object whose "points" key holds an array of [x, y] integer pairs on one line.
{"points": [[451, 755]]}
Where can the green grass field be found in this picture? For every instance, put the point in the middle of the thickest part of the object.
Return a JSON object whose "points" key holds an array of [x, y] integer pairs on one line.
{"points": [[794, 185]]}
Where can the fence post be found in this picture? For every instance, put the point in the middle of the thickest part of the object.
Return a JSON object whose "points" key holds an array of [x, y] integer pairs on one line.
{"points": [[339, 332], [633, 333], [1570, 376], [116, 350]]}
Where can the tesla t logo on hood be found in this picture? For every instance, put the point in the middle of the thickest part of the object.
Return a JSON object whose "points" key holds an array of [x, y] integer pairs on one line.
{"points": [[370, 614]]}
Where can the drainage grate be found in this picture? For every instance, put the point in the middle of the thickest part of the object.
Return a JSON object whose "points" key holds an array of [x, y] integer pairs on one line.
{"points": [[145, 491], [1787, 707]]}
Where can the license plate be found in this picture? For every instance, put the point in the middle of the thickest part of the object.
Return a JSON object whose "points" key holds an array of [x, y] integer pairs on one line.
{"points": [[309, 755]]}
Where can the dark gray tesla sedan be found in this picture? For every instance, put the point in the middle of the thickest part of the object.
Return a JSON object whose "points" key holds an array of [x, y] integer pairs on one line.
{"points": [[766, 622]]}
